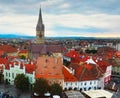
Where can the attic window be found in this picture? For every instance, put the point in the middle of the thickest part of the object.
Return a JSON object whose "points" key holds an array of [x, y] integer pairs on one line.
{"points": [[54, 67], [57, 73], [46, 60], [49, 73], [45, 66]]}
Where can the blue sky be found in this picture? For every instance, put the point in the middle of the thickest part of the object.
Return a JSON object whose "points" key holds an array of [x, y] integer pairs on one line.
{"points": [[88, 18]]}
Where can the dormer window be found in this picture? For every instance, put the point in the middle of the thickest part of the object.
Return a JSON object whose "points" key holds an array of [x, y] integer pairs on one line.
{"points": [[46, 60]]}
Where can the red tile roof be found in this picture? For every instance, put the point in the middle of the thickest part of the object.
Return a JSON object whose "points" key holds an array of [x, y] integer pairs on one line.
{"points": [[68, 77], [3, 60], [7, 66], [103, 64], [30, 68], [8, 48], [72, 54], [76, 57], [117, 54], [86, 71], [106, 52]]}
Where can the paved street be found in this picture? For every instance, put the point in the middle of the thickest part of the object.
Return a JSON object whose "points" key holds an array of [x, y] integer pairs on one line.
{"points": [[11, 90], [117, 81], [117, 94]]}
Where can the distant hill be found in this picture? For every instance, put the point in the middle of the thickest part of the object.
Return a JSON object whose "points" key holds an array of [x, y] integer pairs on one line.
{"points": [[7, 36], [10, 36]]}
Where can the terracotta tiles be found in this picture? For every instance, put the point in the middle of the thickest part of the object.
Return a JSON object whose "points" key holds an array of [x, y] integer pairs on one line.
{"points": [[86, 71], [117, 54], [30, 68], [68, 76], [1, 52], [49, 67], [8, 48]]}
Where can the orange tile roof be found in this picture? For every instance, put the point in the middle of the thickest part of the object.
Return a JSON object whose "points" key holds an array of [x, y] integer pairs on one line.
{"points": [[8, 48], [49, 67], [68, 77], [117, 54], [86, 71], [1, 52]]}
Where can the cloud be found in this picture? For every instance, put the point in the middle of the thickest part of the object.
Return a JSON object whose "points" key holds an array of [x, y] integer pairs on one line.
{"points": [[61, 17]]}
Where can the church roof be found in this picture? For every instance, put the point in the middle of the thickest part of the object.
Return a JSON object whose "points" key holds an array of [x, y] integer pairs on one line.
{"points": [[44, 49]]}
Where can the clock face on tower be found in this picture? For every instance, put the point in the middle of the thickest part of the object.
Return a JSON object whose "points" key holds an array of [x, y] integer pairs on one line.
{"points": [[40, 35]]}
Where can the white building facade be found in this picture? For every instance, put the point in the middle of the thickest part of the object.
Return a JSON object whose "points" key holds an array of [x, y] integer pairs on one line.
{"points": [[87, 85], [12, 70]]}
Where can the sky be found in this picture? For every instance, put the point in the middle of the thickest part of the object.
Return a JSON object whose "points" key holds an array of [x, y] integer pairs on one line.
{"points": [[63, 18]]}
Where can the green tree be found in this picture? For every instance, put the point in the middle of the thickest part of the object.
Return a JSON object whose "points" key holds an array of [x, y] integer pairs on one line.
{"points": [[21, 82], [55, 89], [22, 57], [66, 63], [41, 86]]}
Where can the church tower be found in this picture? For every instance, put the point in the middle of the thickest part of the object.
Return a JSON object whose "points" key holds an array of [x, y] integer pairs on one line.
{"points": [[40, 30]]}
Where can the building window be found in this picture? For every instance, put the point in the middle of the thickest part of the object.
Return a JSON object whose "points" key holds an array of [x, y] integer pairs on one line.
{"points": [[13, 75], [66, 84], [90, 83], [80, 89], [81, 83], [75, 83], [6, 74], [85, 83], [94, 82], [31, 79], [60, 82], [84, 89], [9, 74], [95, 88], [89, 88]]}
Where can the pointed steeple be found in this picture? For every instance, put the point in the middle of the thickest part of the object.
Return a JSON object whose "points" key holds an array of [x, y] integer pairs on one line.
{"points": [[40, 29], [40, 25]]}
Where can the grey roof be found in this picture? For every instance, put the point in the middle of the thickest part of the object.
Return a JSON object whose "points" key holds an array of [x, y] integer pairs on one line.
{"points": [[44, 49], [74, 94]]}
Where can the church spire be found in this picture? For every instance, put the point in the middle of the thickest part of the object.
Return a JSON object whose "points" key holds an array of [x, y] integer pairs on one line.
{"points": [[40, 25], [40, 29]]}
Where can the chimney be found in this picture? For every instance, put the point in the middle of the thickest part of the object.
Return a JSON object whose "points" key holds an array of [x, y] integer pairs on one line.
{"points": [[73, 71], [100, 59], [96, 60]]}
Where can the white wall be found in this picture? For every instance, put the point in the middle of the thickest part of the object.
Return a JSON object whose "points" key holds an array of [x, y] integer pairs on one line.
{"points": [[69, 85], [11, 73], [81, 85], [87, 85]]}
